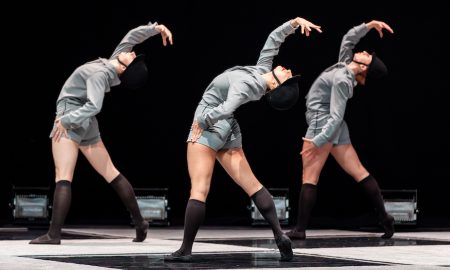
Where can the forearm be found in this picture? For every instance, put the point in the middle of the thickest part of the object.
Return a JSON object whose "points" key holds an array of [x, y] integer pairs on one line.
{"points": [[350, 40], [211, 117], [273, 43], [75, 118], [134, 37], [327, 132]]}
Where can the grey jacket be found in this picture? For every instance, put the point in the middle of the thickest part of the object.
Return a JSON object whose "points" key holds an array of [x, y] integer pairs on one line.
{"points": [[240, 84], [87, 85], [331, 90]]}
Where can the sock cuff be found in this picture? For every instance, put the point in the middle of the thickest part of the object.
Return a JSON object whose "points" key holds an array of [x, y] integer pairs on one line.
{"points": [[367, 178], [118, 178], [63, 183], [309, 185], [263, 189], [197, 201]]}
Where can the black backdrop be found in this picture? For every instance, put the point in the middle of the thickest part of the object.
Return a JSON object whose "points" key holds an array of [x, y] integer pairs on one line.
{"points": [[400, 130]]}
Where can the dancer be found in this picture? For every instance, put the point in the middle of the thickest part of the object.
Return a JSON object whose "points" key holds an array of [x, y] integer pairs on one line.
{"points": [[215, 134], [328, 132], [76, 127]]}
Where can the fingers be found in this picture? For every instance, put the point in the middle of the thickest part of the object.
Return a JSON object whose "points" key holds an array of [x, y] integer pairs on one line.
{"points": [[165, 34], [196, 132], [307, 27], [380, 31], [59, 131], [387, 27], [57, 135], [170, 38], [317, 28]]}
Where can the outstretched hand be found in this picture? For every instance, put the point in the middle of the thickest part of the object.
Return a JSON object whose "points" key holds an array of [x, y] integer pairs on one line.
{"points": [[305, 25], [165, 34], [379, 26]]}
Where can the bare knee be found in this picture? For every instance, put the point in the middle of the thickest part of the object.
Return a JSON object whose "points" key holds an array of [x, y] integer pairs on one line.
{"points": [[63, 174], [359, 173], [310, 177], [199, 194]]}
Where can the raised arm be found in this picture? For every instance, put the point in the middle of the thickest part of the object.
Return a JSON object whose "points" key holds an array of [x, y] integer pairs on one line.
{"points": [[354, 35], [277, 37], [140, 34]]}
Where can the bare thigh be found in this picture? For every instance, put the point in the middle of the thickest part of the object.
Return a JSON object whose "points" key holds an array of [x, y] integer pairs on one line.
{"points": [[99, 158], [347, 158], [201, 161], [236, 165], [313, 164], [65, 155]]}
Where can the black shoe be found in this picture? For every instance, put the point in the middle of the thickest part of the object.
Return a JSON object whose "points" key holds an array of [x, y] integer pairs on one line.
{"points": [[177, 258], [285, 246], [388, 226], [294, 234], [46, 240], [141, 232]]}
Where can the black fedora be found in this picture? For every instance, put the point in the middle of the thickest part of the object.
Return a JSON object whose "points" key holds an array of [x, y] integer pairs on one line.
{"points": [[284, 96], [136, 74]]}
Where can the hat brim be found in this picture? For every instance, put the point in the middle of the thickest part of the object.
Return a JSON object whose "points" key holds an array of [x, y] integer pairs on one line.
{"points": [[293, 79]]}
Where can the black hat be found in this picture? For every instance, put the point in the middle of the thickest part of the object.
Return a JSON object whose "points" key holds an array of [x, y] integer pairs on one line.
{"points": [[376, 69], [285, 96], [136, 74]]}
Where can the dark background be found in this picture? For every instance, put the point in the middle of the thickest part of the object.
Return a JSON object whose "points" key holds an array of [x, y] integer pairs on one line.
{"points": [[400, 129]]}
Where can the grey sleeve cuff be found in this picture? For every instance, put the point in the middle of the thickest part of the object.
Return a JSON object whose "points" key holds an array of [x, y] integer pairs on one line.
{"points": [[319, 141], [65, 122], [361, 29], [288, 29], [201, 122]]}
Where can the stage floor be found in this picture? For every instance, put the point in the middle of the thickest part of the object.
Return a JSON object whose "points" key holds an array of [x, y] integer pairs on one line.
{"points": [[90, 248]]}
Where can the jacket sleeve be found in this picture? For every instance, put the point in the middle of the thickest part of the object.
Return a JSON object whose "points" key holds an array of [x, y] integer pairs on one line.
{"points": [[272, 45], [338, 102], [349, 42], [235, 98], [135, 36], [96, 86]]}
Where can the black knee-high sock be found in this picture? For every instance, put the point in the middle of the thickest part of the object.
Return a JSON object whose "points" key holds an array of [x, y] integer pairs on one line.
{"points": [[306, 201], [61, 204], [370, 187], [372, 190], [193, 218], [126, 193], [264, 202]]}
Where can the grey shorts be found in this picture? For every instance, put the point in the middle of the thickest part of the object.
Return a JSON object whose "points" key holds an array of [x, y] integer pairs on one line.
{"points": [[317, 120], [225, 134], [87, 133]]}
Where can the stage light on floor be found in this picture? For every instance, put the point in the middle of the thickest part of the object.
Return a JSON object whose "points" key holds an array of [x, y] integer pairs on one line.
{"points": [[30, 205], [281, 200], [154, 205], [402, 205]]}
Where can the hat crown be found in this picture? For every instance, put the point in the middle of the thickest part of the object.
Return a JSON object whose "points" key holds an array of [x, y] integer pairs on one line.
{"points": [[136, 74], [284, 96]]}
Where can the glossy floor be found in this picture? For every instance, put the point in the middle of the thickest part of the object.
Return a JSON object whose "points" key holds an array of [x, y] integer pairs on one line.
{"points": [[223, 248]]}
